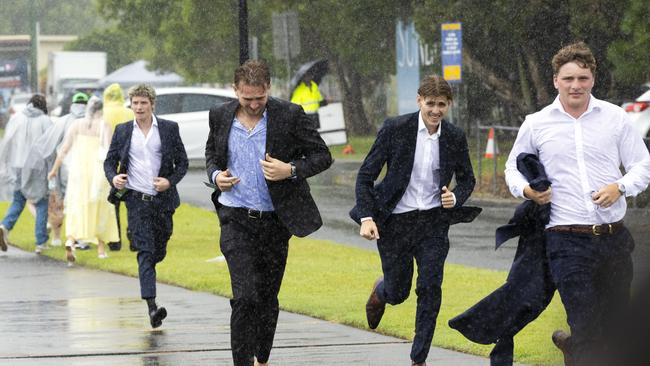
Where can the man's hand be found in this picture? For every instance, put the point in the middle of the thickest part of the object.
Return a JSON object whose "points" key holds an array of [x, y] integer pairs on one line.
{"points": [[369, 230], [51, 174], [540, 198], [119, 181], [161, 184], [606, 196], [225, 181], [275, 169], [447, 198]]}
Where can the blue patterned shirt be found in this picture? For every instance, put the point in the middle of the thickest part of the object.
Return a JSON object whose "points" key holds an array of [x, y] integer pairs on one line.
{"points": [[245, 150]]}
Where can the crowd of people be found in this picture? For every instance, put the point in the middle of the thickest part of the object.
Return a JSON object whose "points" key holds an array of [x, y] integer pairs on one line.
{"points": [[565, 164]]}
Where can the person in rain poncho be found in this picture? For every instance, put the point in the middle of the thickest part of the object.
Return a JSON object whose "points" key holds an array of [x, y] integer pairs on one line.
{"points": [[40, 161], [115, 113], [22, 131], [88, 216]]}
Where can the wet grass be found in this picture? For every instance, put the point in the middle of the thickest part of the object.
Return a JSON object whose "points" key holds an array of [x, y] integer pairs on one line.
{"points": [[323, 279]]}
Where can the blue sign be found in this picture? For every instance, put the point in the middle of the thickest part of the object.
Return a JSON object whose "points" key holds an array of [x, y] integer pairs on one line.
{"points": [[452, 52], [408, 67]]}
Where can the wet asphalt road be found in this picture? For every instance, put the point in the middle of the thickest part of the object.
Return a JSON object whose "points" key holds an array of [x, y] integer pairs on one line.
{"points": [[470, 244]]}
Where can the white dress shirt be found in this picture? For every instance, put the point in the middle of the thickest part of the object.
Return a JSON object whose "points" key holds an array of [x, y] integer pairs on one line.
{"points": [[144, 158], [423, 191], [582, 156]]}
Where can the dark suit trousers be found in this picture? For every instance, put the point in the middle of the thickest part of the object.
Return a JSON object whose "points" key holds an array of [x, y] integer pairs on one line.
{"points": [[593, 275], [418, 235], [256, 251], [150, 225]]}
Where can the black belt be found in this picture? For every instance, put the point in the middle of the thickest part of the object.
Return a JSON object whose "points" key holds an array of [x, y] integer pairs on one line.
{"points": [[143, 196], [600, 229], [255, 214]]}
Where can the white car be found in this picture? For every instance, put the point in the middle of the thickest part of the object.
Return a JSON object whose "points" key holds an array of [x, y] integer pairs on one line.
{"points": [[189, 107], [639, 112]]}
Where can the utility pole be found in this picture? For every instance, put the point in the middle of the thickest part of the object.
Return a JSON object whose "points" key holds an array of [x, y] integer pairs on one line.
{"points": [[243, 31], [33, 70]]}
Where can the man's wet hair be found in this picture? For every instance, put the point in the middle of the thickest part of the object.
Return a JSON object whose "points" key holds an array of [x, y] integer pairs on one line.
{"points": [[435, 86], [253, 73], [577, 52], [38, 101], [143, 90]]}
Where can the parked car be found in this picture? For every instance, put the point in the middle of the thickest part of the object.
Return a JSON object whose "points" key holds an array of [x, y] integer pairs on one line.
{"points": [[190, 106], [639, 112]]}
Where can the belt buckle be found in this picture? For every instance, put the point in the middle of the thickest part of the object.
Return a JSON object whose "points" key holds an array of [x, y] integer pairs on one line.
{"points": [[598, 233], [147, 197], [254, 214]]}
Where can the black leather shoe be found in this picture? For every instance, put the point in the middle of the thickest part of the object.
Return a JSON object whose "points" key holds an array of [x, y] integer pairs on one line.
{"points": [[413, 363], [115, 246], [562, 340], [156, 317], [375, 307]]}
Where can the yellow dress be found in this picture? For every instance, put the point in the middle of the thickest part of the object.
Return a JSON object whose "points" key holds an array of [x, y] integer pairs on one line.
{"points": [[88, 215]]}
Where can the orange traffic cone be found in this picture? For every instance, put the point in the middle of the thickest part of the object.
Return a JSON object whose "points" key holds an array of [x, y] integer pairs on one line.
{"points": [[347, 150], [491, 149]]}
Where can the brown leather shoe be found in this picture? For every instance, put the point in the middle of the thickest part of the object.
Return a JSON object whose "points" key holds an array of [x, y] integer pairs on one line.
{"points": [[4, 238], [375, 307], [562, 340]]}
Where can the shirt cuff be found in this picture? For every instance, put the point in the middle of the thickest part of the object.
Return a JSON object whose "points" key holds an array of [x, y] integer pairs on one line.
{"points": [[454, 196], [366, 219], [214, 176]]}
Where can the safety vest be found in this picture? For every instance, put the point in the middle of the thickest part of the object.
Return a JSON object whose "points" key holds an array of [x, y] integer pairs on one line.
{"points": [[307, 97]]}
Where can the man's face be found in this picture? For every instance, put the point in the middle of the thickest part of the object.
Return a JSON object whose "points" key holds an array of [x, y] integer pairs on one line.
{"points": [[252, 98], [142, 108], [433, 109], [574, 84]]}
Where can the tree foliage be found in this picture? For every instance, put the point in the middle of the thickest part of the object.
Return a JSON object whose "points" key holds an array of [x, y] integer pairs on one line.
{"points": [[508, 45], [631, 54], [78, 17]]}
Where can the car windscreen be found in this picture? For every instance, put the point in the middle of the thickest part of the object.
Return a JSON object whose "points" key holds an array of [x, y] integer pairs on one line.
{"points": [[201, 102]]}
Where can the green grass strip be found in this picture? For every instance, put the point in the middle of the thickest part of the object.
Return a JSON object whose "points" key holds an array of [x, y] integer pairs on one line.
{"points": [[323, 279]]}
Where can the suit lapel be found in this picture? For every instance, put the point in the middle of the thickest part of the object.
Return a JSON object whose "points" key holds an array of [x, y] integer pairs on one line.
{"points": [[443, 145], [271, 129], [412, 138]]}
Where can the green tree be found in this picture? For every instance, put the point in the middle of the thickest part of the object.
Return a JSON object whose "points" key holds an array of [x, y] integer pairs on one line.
{"points": [[76, 17], [121, 47], [199, 39], [508, 45], [630, 55]]}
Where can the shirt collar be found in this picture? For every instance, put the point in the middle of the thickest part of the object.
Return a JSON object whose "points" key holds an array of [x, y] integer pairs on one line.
{"points": [[422, 127], [154, 121], [594, 104]]}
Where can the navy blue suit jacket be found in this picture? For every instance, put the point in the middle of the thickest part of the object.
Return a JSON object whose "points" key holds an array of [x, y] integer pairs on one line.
{"points": [[290, 137], [173, 164], [529, 287], [395, 148]]}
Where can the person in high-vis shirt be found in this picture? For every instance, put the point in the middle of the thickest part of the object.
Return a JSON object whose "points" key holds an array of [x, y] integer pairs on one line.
{"points": [[309, 98]]}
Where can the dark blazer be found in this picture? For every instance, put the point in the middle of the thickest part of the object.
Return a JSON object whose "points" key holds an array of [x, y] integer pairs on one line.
{"points": [[395, 147], [173, 165], [290, 137], [529, 288]]}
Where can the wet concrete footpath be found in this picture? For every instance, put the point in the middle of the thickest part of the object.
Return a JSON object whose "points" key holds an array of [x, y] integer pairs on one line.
{"points": [[54, 315]]}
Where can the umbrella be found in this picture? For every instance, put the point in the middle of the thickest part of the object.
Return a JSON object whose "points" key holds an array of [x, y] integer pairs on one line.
{"points": [[317, 68]]}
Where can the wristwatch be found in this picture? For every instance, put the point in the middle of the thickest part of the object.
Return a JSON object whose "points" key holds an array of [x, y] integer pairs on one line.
{"points": [[293, 169], [621, 189]]}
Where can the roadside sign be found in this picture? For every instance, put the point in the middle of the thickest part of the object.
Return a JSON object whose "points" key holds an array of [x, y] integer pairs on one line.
{"points": [[452, 52]]}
